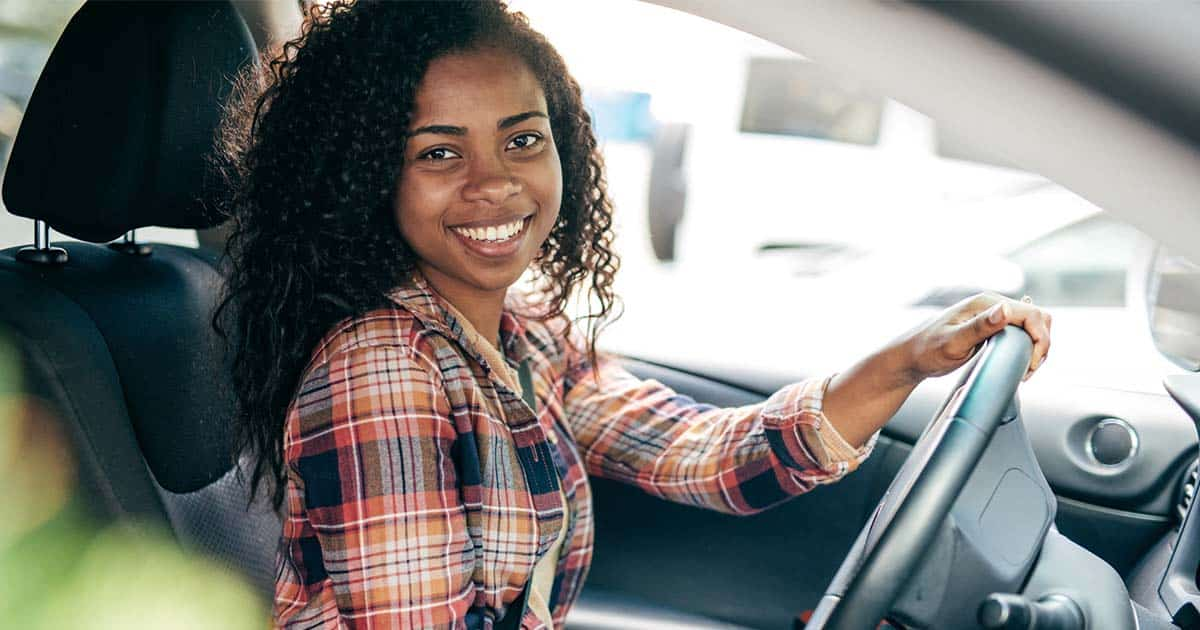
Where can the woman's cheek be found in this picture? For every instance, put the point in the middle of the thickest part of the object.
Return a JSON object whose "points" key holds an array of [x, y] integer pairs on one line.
{"points": [[552, 193], [419, 200]]}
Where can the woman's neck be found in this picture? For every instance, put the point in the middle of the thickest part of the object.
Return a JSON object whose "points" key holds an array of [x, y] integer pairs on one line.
{"points": [[482, 308]]}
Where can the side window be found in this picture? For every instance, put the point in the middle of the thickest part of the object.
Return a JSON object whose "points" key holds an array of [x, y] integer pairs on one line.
{"points": [[1173, 307], [28, 30]]}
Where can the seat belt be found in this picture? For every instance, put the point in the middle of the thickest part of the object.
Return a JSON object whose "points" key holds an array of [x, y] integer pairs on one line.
{"points": [[525, 376], [516, 610]]}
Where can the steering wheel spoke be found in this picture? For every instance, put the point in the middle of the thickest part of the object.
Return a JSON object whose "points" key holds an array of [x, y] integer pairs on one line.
{"points": [[890, 567]]}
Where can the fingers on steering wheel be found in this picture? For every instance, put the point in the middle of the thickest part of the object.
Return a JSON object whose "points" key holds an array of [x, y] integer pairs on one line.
{"points": [[983, 325], [1036, 323]]}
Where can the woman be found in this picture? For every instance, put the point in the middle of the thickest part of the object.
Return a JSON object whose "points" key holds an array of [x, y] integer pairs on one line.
{"points": [[395, 172]]}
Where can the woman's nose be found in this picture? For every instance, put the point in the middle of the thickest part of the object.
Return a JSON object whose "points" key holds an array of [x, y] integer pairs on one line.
{"points": [[492, 183]]}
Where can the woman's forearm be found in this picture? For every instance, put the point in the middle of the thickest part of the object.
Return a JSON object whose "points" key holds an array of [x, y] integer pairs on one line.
{"points": [[861, 399]]}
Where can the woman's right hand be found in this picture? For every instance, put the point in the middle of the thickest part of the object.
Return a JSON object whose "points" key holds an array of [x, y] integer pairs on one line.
{"points": [[948, 341]]}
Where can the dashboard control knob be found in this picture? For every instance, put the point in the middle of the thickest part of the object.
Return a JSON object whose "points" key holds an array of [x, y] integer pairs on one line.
{"points": [[1006, 611], [1113, 442]]}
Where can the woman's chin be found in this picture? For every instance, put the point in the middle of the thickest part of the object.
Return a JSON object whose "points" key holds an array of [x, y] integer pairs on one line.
{"points": [[483, 280], [498, 280]]}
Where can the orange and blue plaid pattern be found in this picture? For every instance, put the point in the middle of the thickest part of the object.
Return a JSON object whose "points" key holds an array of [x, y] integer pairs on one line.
{"points": [[421, 489]]}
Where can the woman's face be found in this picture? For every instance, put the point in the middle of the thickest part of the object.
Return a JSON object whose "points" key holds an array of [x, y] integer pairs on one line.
{"points": [[482, 183]]}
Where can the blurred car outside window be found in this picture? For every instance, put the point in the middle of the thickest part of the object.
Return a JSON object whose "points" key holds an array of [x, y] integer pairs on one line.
{"points": [[792, 97], [1082, 264]]}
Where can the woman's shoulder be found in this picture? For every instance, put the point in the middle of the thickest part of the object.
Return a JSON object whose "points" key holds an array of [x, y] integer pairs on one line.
{"points": [[357, 359], [389, 326]]}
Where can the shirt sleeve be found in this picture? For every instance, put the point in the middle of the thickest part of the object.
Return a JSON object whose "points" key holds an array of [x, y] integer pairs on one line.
{"points": [[374, 507], [738, 460]]}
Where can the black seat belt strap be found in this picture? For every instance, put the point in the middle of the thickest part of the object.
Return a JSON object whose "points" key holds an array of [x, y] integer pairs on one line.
{"points": [[525, 376], [516, 610]]}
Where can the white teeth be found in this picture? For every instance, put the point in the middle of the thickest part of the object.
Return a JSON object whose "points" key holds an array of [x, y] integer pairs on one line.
{"points": [[493, 233]]}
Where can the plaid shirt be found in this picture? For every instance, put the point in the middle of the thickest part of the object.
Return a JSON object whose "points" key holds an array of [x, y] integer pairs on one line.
{"points": [[421, 489]]}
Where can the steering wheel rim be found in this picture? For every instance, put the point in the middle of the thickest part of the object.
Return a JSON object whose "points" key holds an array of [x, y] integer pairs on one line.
{"points": [[906, 520]]}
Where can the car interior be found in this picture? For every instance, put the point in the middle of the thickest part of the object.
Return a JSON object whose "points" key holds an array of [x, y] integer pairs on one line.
{"points": [[1056, 507], [117, 339]]}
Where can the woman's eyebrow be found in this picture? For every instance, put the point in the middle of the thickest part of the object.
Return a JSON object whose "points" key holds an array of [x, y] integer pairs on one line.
{"points": [[516, 118], [453, 130], [444, 130]]}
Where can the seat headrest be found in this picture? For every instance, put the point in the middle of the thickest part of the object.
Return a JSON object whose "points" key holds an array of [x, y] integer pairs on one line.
{"points": [[116, 133]]}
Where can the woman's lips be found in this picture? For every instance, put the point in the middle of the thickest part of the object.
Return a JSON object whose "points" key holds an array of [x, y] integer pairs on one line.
{"points": [[495, 240]]}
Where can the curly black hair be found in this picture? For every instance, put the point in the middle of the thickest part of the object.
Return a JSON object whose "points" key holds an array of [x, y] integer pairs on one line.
{"points": [[309, 157]]}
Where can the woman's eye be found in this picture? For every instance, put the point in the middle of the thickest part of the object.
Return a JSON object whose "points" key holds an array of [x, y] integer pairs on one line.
{"points": [[438, 154], [524, 141]]}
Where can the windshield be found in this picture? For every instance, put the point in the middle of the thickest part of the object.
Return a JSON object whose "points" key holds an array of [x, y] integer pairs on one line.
{"points": [[746, 174]]}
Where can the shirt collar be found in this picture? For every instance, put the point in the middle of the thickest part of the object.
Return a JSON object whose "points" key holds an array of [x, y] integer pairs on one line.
{"points": [[431, 309]]}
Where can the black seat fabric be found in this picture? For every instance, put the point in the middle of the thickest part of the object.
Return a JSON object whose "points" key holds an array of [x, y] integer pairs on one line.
{"points": [[120, 345], [150, 314], [67, 364]]}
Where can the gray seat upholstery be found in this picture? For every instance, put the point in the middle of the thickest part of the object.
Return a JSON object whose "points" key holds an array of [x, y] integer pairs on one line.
{"points": [[119, 343]]}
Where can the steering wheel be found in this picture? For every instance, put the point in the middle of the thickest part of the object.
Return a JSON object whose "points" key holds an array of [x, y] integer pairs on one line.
{"points": [[910, 513]]}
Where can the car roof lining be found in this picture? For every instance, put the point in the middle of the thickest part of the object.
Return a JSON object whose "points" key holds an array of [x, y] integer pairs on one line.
{"points": [[1144, 59]]}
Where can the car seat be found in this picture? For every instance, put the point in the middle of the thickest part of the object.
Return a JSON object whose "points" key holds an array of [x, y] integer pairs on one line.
{"points": [[116, 338]]}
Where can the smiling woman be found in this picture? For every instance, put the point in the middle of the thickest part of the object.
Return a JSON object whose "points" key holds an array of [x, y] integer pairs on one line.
{"points": [[314, 151], [421, 171], [430, 428]]}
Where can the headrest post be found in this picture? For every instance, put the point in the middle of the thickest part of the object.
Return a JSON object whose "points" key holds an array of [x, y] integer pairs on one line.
{"points": [[41, 253], [41, 234], [129, 245]]}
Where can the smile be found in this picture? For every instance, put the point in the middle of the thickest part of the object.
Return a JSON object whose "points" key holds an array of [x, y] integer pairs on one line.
{"points": [[493, 233]]}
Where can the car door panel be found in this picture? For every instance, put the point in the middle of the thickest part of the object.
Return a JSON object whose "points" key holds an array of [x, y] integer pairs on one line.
{"points": [[763, 570], [1057, 418]]}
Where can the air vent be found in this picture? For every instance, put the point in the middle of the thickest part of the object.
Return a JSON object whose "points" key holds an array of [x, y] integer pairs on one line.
{"points": [[1188, 491]]}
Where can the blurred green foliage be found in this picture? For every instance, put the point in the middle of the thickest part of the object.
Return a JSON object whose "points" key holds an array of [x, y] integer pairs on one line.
{"points": [[61, 569]]}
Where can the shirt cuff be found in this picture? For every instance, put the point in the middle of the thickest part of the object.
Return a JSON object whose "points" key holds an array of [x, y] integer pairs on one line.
{"points": [[797, 410]]}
